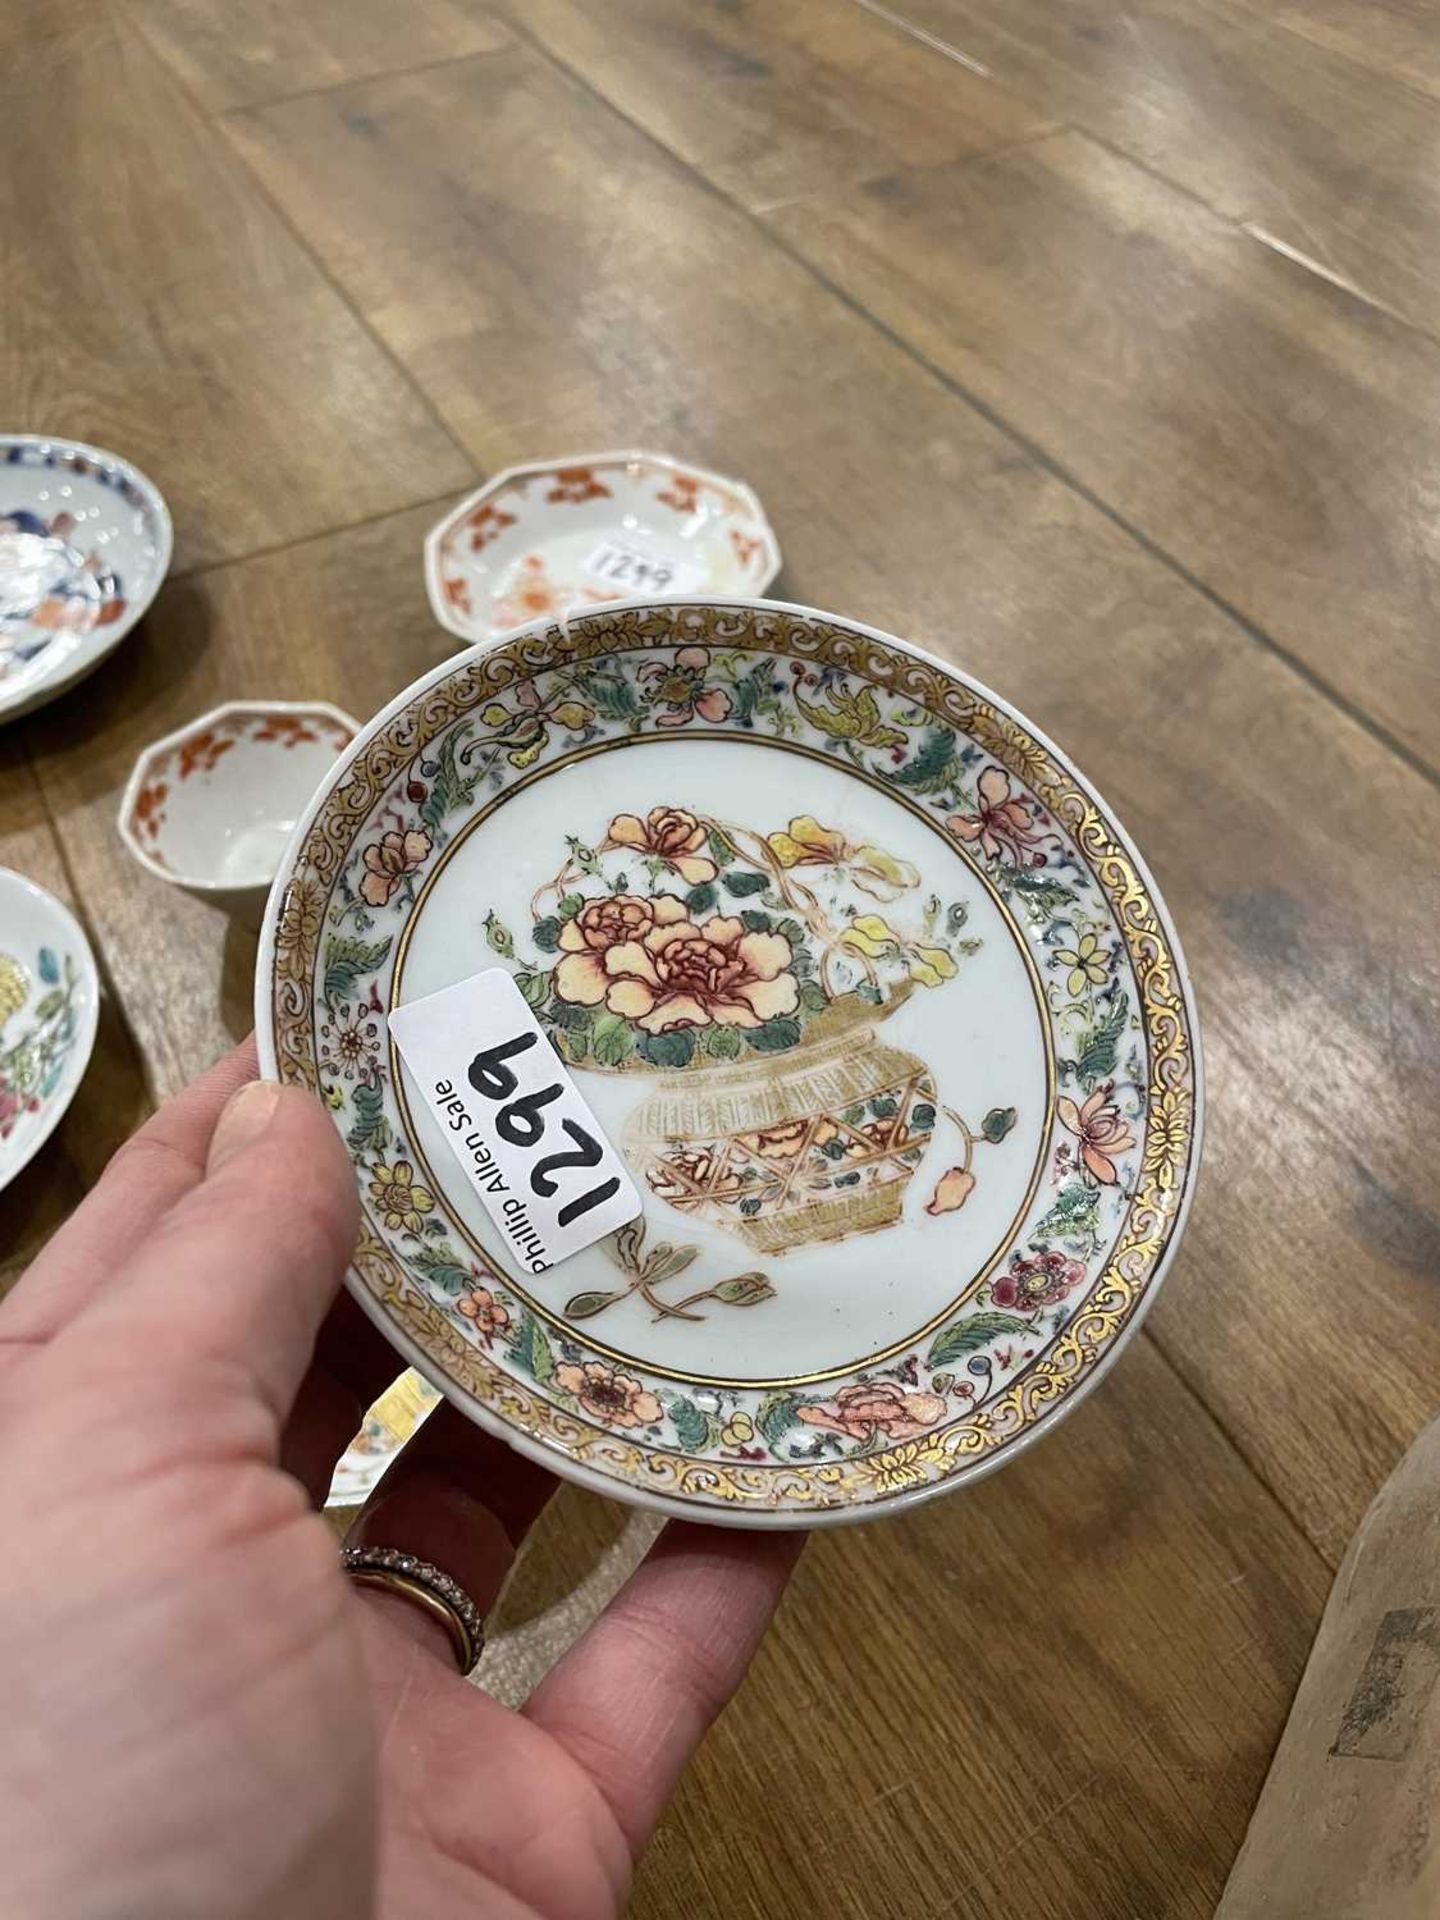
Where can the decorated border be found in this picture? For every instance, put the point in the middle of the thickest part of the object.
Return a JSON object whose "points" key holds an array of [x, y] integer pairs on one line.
{"points": [[1170, 1124]]}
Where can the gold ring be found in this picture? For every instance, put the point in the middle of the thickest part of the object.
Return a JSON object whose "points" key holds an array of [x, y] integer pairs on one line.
{"points": [[390, 1571]]}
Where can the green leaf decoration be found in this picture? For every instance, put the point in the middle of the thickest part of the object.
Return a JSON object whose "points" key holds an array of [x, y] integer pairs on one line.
{"points": [[754, 921], [777, 1415], [346, 960], [934, 766], [790, 929], [369, 1104], [750, 690], [498, 937], [775, 1036], [884, 1107], [666, 1261], [612, 698], [745, 882], [669, 1049], [612, 1039], [570, 905], [628, 1241], [50, 1004], [571, 1018], [745, 1290], [1098, 1055], [547, 934], [869, 992], [530, 1350], [580, 1306], [535, 987], [721, 851], [1038, 890], [997, 1123], [442, 1270], [722, 1043], [922, 1117], [968, 1336], [1074, 1216], [701, 899], [692, 1429], [813, 997]]}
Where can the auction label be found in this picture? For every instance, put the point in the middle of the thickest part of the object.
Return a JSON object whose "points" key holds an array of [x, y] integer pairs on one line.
{"points": [[530, 1146]]}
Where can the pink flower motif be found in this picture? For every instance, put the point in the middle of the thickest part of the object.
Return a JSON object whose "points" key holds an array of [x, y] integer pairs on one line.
{"points": [[679, 687], [1101, 1132], [1036, 1280], [682, 975], [485, 1312], [1001, 822], [388, 860], [870, 1407], [609, 1395]]}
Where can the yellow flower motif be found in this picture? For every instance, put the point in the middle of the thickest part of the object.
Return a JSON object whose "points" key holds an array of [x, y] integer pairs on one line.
{"points": [[930, 966], [14, 987], [1167, 1137], [334, 1099], [870, 935], [739, 1430], [896, 1469], [1087, 963], [808, 844], [400, 1201]]}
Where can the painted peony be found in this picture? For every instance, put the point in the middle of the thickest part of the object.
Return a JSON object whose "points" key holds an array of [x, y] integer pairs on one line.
{"points": [[669, 834], [607, 1394], [870, 1407], [673, 973]]}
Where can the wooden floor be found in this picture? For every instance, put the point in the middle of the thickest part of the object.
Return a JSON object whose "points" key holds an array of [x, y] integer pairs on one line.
{"points": [[1095, 345]]}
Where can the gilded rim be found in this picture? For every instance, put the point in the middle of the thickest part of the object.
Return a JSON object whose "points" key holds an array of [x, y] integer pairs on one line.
{"points": [[962, 1449]]}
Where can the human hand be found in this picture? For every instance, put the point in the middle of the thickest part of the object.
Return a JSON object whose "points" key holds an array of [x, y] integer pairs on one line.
{"points": [[202, 1715]]}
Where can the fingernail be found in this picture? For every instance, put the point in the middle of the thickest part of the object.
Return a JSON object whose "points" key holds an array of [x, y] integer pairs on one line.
{"points": [[245, 1118]]}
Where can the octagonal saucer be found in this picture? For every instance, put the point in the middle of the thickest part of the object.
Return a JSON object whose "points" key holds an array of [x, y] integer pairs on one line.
{"points": [[561, 535]]}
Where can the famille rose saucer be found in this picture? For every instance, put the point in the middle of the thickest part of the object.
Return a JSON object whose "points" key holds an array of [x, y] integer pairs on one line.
{"points": [[862, 979], [565, 535], [49, 1007], [84, 546]]}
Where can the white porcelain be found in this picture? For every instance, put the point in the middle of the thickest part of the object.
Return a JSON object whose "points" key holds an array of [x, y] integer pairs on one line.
{"points": [[863, 979], [85, 542], [49, 1006], [561, 535], [211, 807]]}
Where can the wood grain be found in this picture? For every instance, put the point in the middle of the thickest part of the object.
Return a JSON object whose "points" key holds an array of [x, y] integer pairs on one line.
{"points": [[1395, 38], [1203, 384], [1042, 1698], [1308, 921], [1057, 1696], [182, 324], [1274, 436], [776, 101], [252, 50], [1263, 124]]}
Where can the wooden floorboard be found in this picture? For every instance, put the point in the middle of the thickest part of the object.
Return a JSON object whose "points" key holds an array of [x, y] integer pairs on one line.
{"points": [[1257, 801], [989, 335], [253, 50], [180, 320]]}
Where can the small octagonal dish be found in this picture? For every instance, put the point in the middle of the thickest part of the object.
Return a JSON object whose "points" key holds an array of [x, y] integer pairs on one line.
{"points": [[860, 976], [211, 806], [49, 1007], [564, 535], [84, 545]]}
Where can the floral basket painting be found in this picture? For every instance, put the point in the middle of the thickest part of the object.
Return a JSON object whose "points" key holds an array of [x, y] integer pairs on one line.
{"points": [[748, 973]]}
